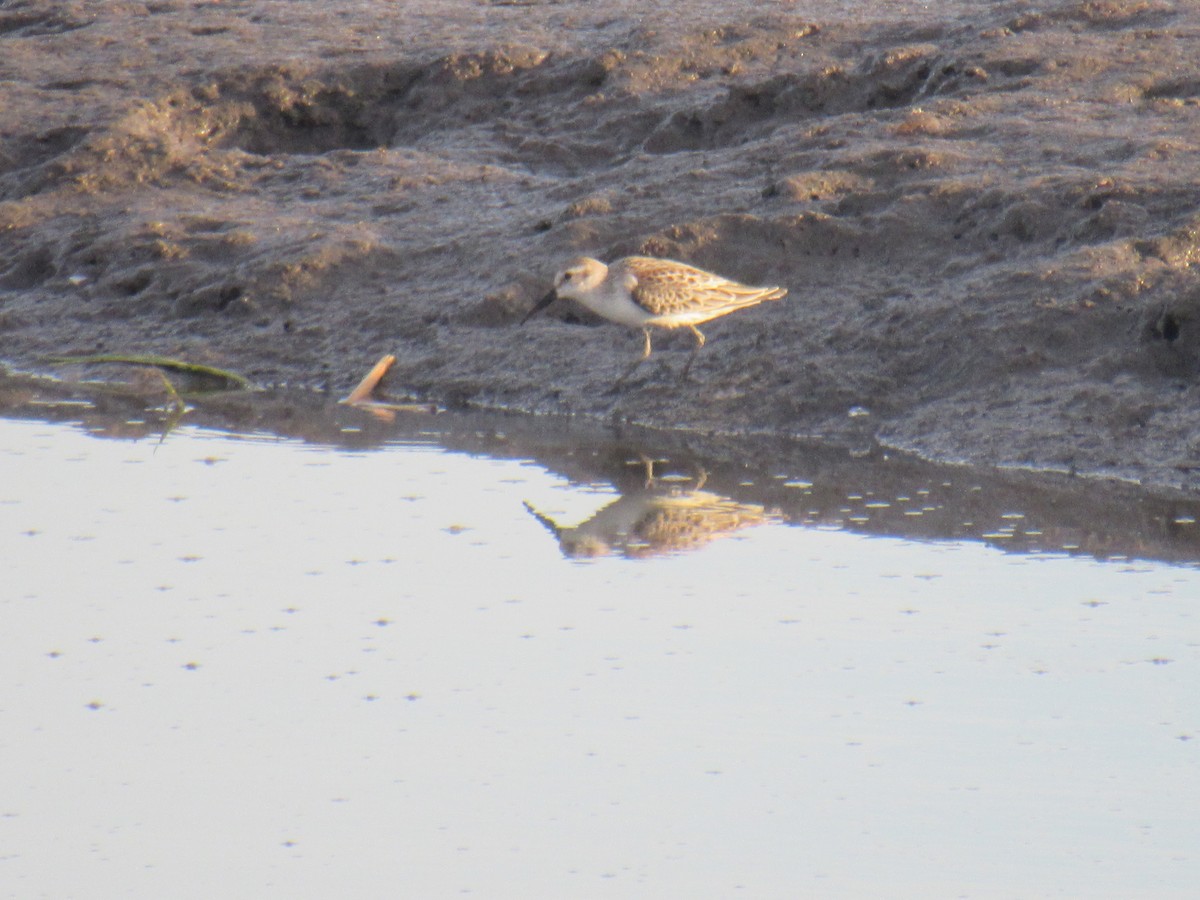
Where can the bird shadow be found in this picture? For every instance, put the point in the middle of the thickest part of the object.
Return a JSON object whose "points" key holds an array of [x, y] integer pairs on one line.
{"points": [[659, 374]]}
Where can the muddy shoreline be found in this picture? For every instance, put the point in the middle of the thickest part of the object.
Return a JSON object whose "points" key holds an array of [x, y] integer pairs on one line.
{"points": [[858, 486], [987, 217]]}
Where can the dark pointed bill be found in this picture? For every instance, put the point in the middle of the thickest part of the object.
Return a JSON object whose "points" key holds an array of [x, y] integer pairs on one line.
{"points": [[540, 305]]}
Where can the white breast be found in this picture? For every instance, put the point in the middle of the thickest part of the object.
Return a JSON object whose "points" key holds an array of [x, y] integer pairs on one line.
{"points": [[614, 303]]}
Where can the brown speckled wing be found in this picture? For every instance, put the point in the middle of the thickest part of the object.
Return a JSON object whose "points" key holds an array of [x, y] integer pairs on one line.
{"points": [[664, 287]]}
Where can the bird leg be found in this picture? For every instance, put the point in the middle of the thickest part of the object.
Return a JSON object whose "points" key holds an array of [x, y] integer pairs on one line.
{"points": [[637, 362], [699, 343], [648, 464]]}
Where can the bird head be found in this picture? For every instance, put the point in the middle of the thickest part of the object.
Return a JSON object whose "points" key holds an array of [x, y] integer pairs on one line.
{"points": [[577, 278]]}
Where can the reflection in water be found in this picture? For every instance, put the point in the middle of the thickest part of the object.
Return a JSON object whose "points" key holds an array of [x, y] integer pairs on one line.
{"points": [[655, 519], [496, 727], [879, 492]]}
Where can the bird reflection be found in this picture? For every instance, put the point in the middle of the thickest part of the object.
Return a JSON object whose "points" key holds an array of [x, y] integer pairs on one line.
{"points": [[656, 519]]}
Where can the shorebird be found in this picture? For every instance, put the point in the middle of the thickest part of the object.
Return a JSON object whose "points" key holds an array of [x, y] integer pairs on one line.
{"points": [[644, 292]]}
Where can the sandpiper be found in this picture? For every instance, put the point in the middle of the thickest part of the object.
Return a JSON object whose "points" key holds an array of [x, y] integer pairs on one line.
{"points": [[642, 291]]}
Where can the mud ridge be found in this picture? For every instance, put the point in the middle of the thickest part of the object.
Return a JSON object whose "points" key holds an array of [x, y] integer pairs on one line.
{"points": [[986, 218]]}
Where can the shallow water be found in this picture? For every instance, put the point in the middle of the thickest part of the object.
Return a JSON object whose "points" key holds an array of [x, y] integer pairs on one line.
{"points": [[251, 666]]}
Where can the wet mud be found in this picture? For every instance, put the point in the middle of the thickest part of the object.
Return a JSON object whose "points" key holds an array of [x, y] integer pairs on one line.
{"points": [[986, 214]]}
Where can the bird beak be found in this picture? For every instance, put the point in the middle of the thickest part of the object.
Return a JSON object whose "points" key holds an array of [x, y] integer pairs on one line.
{"points": [[540, 305]]}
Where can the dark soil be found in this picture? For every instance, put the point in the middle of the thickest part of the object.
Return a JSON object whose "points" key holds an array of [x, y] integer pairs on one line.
{"points": [[987, 215]]}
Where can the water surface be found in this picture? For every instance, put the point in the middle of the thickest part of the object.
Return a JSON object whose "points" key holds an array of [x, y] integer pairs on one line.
{"points": [[249, 666]]}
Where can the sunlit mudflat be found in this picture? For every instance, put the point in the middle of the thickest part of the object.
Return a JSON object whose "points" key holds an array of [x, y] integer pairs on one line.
{"points": [[250, 667]]}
